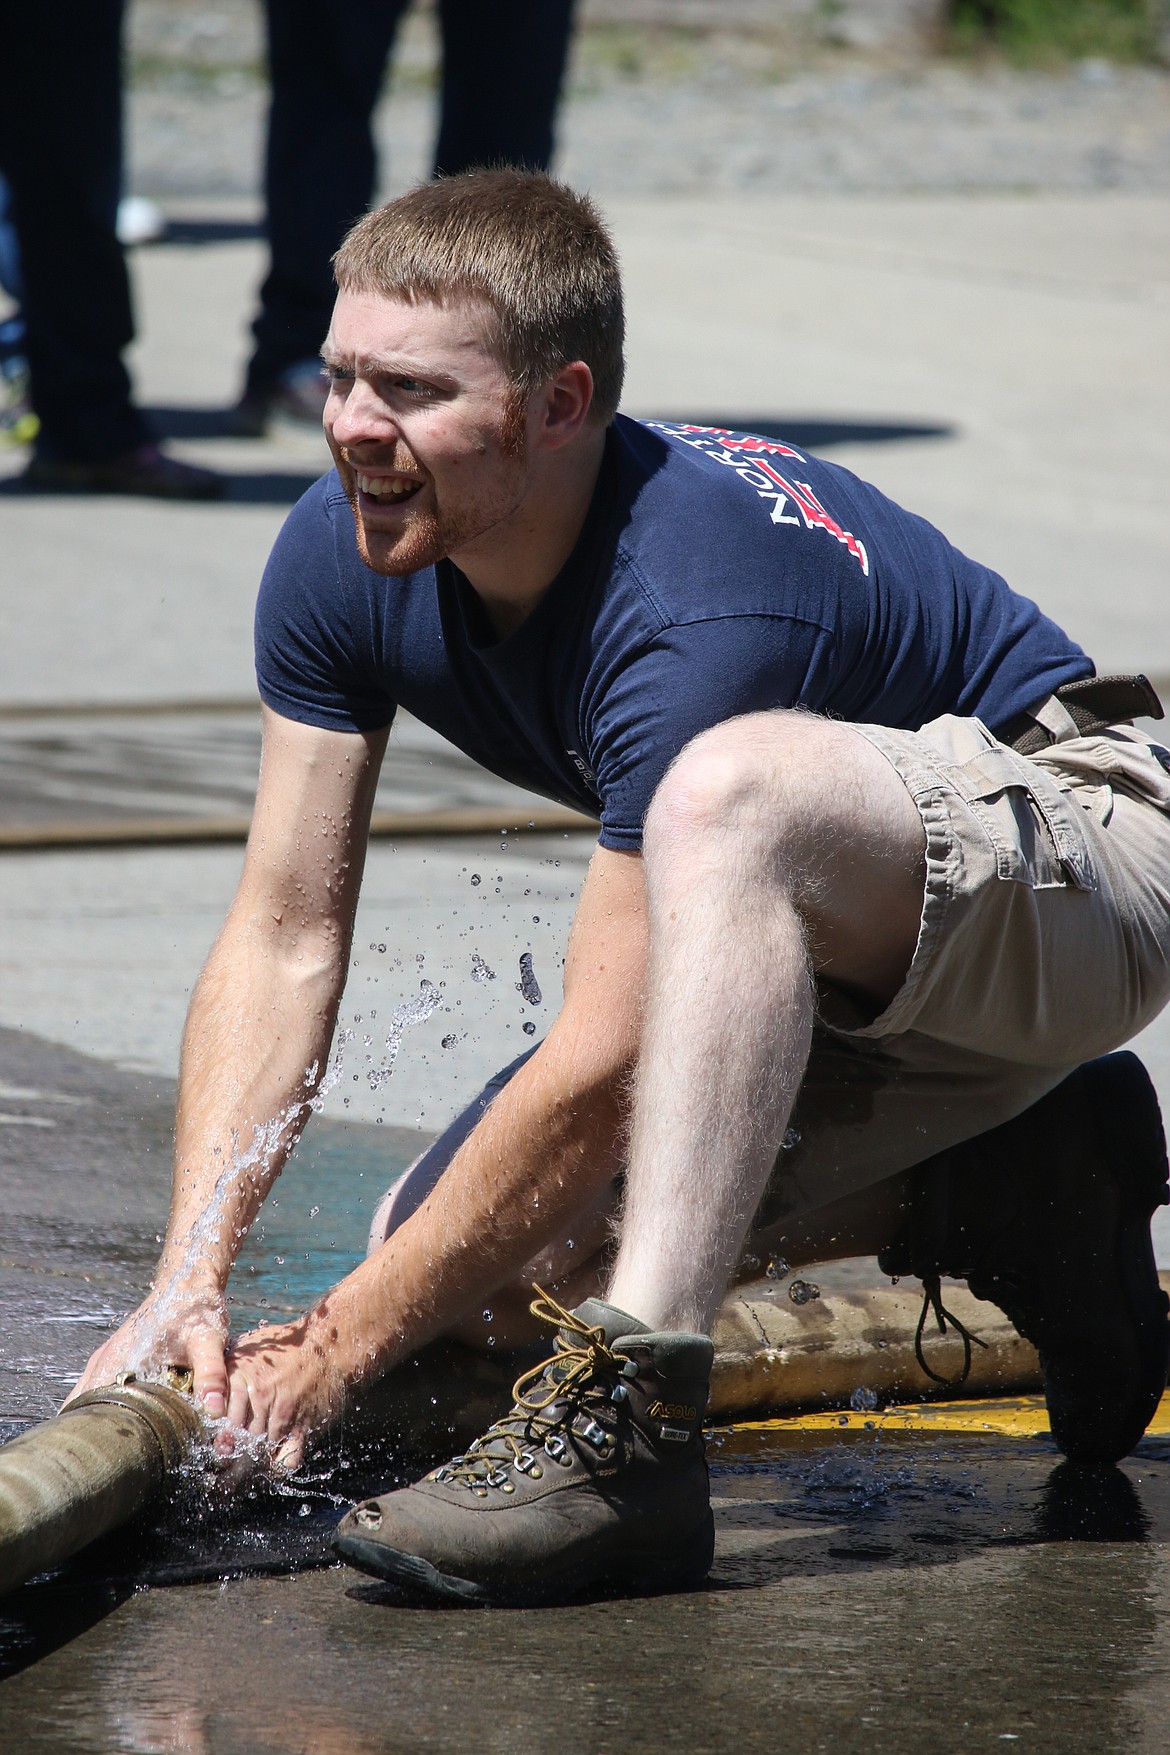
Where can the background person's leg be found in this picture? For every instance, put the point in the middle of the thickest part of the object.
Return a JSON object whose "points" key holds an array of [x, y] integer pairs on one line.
{"points": [[503, 67], [326, 66], [61, 150]]}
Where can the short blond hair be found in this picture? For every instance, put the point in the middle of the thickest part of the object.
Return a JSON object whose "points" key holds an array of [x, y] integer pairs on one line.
{"points": [[532, 250]]}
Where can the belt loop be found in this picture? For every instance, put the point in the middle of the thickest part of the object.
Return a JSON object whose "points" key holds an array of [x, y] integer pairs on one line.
{"points": [[1055, 717]]}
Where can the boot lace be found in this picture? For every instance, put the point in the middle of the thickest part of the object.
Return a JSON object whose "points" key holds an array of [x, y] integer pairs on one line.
{"points": [[546, 1401], [932, 1301]]}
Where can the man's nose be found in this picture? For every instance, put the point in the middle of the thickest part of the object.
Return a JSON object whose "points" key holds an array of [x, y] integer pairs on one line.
{"points": [[355, 412]]}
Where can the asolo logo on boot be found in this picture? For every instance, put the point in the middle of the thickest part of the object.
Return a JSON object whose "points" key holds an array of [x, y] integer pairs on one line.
{"points": [[672, 1411]]}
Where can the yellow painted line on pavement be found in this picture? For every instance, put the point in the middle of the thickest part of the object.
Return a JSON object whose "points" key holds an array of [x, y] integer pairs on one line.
{"points": [[1010, 1417]]}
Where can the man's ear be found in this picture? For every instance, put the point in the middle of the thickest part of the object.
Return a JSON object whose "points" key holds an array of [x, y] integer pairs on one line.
{"points": [[563, 405]]}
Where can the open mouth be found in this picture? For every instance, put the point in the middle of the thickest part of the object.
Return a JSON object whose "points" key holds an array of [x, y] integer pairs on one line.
{"points": [[387, 490]]}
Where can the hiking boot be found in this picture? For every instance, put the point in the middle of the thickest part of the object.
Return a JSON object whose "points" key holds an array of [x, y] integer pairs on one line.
{"points": [[597, 1475], [1048, 1216]]}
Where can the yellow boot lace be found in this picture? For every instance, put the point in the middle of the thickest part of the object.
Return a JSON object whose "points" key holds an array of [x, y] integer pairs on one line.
{"points": [[546, 1400]]}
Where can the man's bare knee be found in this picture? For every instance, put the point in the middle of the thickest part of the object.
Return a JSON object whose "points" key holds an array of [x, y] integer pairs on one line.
{"points": [[724, 781]]}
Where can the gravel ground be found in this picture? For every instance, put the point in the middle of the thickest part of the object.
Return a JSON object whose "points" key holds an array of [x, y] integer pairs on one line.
{"points": [[774, 109]]}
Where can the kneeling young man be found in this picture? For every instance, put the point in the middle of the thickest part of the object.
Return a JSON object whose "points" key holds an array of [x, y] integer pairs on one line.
{"points": [[881, 866]]}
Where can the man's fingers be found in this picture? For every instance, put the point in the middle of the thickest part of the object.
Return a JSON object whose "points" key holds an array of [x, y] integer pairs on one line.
{"points": [[288, 1456], [211, 1378], [239, 1402]]}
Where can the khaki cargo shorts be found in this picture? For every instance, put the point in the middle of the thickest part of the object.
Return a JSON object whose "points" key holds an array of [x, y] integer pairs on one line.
{"points": [[1044, 941]]}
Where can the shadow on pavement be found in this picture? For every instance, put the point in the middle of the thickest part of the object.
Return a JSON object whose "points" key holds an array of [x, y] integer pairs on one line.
{"points": [[210, 231], [265, 487], [41, 1619]]}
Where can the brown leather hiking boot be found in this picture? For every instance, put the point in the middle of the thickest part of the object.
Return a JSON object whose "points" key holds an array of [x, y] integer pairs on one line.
{"points": [[1048, 1216], [597, 1475]]}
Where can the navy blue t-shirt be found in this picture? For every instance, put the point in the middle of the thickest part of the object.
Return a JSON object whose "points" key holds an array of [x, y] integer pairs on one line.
{"points": [[716, 574]]}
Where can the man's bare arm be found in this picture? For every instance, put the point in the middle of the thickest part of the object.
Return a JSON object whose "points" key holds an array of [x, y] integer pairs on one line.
{"points": [[550, 1143], [256, 1039]]}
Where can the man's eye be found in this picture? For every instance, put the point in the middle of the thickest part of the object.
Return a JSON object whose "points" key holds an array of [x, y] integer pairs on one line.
{"points": [[337, 374], [412, 386]]}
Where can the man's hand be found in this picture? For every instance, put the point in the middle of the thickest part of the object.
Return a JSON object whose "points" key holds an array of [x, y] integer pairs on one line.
{"points": [[168, 1328], [284, 1385]]}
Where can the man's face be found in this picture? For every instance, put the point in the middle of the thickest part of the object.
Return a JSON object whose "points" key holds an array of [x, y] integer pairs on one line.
{"points": [[425, 431]]}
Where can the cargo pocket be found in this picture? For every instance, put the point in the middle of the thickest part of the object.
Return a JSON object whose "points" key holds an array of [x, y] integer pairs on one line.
{"points": [[1031, 824]]}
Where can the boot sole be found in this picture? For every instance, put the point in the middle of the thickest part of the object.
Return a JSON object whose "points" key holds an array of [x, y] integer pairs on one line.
{"points": [[641, 1574], [1135, 1154]]}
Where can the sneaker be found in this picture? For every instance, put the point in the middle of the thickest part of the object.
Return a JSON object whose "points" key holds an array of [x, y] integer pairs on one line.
{"points": [[1048, 1217], [18, 424], [147, 471], [597, 1475], [140, 221]]}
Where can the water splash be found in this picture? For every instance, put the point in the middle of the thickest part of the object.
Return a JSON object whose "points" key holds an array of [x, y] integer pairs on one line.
{"points": [[777, 1269], [479, 969], [270, 1140], [404, 1017], [528, 985], [803, 1292]]}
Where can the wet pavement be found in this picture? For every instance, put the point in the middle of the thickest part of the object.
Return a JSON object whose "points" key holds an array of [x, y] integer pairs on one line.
{"points": [[866, 1594]]}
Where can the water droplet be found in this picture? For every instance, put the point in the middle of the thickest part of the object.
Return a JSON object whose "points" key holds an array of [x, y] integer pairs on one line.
{"points": [[479, 969], [529, 985], [450, 1041], [382, 948], [536, 920], [863, 1401], [791, 1139], [304, 1511], [313, 1211], [487, 1316], [528, 1027], [475, 878], [803, 1291], [777, 1269]]}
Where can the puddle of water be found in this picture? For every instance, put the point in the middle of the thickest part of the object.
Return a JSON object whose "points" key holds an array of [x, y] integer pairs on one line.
{"points": [[313, 1227]]}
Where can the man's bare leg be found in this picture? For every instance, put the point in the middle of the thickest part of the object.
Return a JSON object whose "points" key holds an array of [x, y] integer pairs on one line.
{"points": [[779, 846]]}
